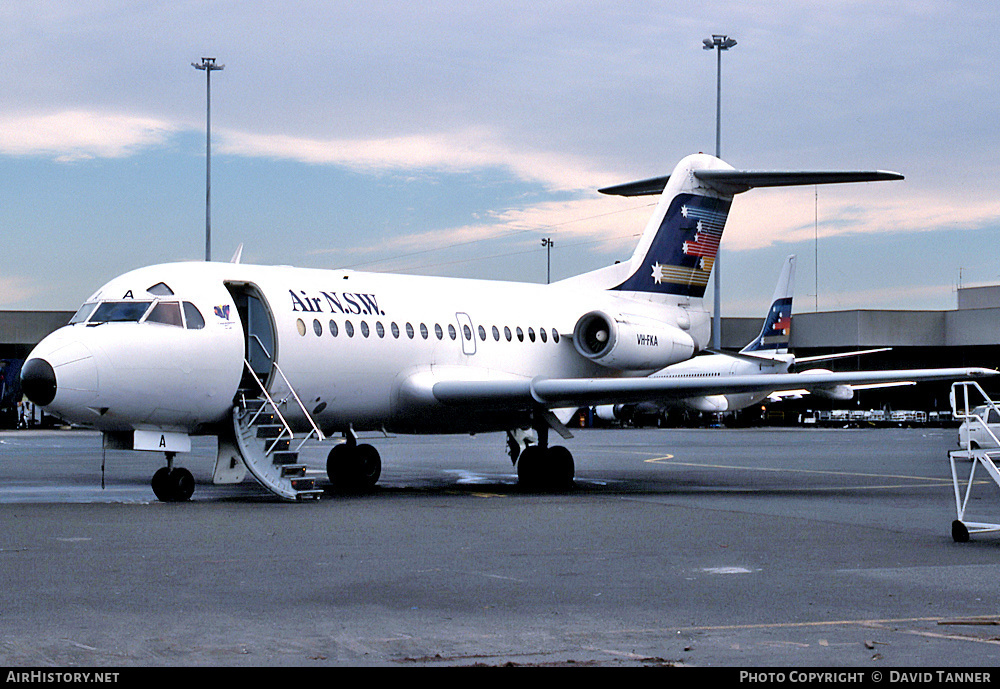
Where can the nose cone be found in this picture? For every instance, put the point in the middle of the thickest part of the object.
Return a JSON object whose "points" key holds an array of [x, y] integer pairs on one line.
{"points": [[38, 381]]}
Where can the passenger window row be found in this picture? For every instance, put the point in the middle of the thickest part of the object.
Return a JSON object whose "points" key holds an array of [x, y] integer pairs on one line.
{"points": [[411, 333]]}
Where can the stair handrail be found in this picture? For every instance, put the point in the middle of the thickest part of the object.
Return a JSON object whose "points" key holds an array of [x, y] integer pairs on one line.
{"points": [[305, 412], [274, 406]]}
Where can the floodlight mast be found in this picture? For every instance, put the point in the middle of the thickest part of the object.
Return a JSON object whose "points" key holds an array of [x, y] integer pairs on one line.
{"points": [[718, 42], [208, 65]]}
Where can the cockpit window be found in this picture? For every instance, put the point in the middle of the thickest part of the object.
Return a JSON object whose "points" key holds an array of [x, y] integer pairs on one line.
{"points": [[193, 316], [161, 289], [120, 311], [166, 312], [84, 311]]}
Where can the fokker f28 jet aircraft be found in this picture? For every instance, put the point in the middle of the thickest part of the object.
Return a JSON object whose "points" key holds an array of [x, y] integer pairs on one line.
{"points": [[765, 355], [266, 357]]}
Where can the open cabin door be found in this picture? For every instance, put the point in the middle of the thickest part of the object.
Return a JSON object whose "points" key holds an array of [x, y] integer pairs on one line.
{"points": [[258, 333]]}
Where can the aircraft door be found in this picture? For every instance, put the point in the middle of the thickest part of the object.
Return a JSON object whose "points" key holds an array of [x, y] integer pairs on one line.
{"points": [[258, 332], [467, 333]]}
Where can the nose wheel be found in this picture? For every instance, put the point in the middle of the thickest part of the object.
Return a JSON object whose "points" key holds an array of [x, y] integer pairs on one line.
{"points": [[172, 484]]}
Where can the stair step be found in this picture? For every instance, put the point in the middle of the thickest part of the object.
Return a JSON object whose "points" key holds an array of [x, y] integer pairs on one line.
{"points": [[284, 457], [281, 445], [303, 484], [270, 431], [253, 405], [294, 471], [314, 494]]}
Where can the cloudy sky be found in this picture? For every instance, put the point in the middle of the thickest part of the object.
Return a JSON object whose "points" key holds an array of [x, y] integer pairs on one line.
{"points": [[449, 138]]}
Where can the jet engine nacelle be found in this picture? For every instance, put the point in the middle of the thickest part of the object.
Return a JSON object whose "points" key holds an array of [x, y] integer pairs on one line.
{"points": [[630, 342], [838, 393]]}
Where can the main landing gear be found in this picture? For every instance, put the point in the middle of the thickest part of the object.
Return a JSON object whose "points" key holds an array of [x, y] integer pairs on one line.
{"points": [[353, 468], [172, 484], [544, 468]]}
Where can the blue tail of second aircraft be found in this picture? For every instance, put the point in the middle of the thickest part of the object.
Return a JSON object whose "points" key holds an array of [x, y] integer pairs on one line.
{"points": [[777, 331]]}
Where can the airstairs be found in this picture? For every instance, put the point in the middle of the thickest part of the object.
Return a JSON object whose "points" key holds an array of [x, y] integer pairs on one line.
{"points": [[984, 454], [268, 445]]}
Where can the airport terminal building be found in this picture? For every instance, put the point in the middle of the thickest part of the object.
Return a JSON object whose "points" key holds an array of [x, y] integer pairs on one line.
{"points": [[966, 336]]}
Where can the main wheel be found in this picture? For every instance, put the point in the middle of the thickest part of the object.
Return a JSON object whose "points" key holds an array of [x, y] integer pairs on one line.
{"points": [[355, 468], [547, 469], [530, 468], [561, 469], [368, 466]]}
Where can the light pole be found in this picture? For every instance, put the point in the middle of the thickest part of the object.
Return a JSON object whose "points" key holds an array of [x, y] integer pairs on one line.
{"points": [[718, 43], [547, 243], [208, 65]]}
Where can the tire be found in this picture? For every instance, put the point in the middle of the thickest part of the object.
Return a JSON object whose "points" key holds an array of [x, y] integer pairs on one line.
{"points": [[560, 469], [530, 468], [368, 467]]}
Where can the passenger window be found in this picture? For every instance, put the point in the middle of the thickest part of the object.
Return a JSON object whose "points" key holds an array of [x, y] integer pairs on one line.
{"points": [[333, 327], [451, 331], [193, 317], [482, 333], [531, 334], [364, 328], [555, 335], [167, 313], [423, 331], [496, 333], [409, 331], [317, 327], [541, 334], [395, 330], [438, 332], [379, 329], [300, 326], [349, 328], [506, 333], [520, 334]]}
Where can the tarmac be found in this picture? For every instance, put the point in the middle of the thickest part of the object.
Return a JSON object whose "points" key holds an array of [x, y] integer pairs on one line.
{"points": [[756, 548]]}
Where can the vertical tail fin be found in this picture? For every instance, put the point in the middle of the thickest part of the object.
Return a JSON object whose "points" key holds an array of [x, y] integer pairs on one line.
{"points": [[678, 247], [777, 331]]}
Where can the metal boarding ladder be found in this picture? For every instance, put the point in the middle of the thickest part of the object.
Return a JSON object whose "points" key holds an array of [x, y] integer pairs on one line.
{"points": [[269, 446], [986, 457]]}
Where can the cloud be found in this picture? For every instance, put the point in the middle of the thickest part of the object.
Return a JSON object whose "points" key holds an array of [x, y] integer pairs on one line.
{"points": [[767, 217], [79, 134], [15, 290], [460, 151]]}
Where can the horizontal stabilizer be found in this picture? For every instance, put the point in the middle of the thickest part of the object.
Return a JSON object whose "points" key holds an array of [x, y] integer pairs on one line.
{"points": [[736, 181]]}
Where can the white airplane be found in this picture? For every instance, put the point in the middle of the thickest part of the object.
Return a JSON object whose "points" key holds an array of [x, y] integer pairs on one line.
{"points": [[267, 357], [766, 354]]}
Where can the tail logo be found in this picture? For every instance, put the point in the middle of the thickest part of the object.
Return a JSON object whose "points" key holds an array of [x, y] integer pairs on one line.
{"points": [[681, 255]]}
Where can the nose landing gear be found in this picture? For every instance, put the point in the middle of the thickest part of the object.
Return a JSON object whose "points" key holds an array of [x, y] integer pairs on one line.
{"points": [[172, 484]]}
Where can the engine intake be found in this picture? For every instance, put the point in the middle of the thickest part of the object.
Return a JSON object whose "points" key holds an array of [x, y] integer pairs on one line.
{"points": [[630, 343]]}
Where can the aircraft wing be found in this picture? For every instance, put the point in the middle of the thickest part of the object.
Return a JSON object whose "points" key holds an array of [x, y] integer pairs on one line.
{"points": [[566, 392]]}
